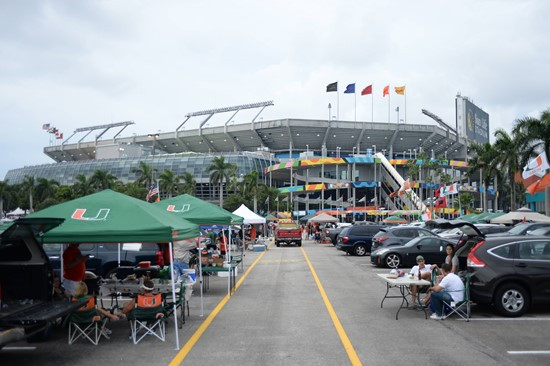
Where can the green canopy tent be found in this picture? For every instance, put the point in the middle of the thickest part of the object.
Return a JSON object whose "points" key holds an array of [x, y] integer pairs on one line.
{"points": [[198, 211], [270, 217], [201, 212], [469, 217], [394, 220], [111, 217]]}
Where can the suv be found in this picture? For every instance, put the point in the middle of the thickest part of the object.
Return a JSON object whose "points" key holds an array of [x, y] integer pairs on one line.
{"points": [[511, 272], [357, 239], [27, 306], [103, 260], [398, 235], [457, 234]]}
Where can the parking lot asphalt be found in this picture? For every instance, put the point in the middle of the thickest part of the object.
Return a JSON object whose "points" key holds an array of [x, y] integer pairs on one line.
{"points": [[278, 316]]}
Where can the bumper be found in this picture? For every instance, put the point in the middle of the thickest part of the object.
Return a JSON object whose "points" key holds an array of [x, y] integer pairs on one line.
{"points": [[480, 294], [344, 247]]}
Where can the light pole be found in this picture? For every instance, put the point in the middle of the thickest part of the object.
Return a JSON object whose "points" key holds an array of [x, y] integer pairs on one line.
{"points": [[153, 136], [307, 150], [410, 154], [397, 110], [374, 149], [353, 151], [329, 108]]}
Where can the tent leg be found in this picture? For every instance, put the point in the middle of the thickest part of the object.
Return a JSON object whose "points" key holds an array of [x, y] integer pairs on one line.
{"points": [[174, 295]]}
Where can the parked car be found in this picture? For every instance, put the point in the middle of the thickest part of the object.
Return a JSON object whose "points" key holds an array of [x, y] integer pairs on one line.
{"points": [[103, 259], [288, 233], [522, 229], [540, 232], [457, 234], [28, 307], [357, 239], [431, 248], [511, 273], [398, 235]]}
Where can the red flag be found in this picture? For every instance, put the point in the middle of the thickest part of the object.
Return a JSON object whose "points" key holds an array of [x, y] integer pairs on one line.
{"points": [[393, 194], [441, 202], [386, 90], [367, 90], [60, 136]]}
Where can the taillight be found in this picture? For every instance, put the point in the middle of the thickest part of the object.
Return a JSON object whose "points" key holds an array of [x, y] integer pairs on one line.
{"points": [[474, 261], [345, 239], [380, 239], [159, 258], [326, 232]]}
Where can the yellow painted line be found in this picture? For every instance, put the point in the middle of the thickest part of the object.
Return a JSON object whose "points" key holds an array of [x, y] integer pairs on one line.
{"points": [[180, 356], [282, 260], [352, 355]]}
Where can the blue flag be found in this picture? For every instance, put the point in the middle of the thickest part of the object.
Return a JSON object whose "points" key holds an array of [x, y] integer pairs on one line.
{"points": [[350, 89]]}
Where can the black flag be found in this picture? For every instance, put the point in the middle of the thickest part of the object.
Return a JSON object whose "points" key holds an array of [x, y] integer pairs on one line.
{"points": [[332, 87]]}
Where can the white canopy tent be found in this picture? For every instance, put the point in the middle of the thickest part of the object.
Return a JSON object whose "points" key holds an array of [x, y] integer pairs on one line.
{"points": [[323, 218], [523, 214], [249, 216]]}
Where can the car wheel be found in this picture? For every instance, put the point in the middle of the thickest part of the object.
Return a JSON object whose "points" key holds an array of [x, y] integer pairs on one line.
{"points": [[393, 260], [278, 244], [360, 250], [511, 300], [299, 243]]}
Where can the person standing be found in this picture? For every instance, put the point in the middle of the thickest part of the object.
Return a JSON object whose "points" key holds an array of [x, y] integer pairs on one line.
{"points": [[74, 268]]}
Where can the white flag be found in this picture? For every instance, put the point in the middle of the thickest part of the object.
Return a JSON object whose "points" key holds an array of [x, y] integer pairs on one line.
{"points": [[537, 166], [341, 199], [363, 199], [448, 190]]}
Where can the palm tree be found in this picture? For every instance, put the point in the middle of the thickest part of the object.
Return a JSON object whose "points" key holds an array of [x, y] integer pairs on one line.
{"points": [[169, 182], [534, 132], [46, 188], [3, 195], [145, 174], [486, 162], [508, 158], [220, 172], [28, 185], [251, 186], [189, 185], [102, 179], [82, 186]]}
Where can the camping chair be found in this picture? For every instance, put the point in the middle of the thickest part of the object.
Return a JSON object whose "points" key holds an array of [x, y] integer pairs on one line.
{"points": [[148, 318], [181, 303], [87, 323], [424, 290], [461, 308]]}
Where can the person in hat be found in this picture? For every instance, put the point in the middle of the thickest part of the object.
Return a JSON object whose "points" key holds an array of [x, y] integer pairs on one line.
{"points": [[425, 271], [147, 289]]}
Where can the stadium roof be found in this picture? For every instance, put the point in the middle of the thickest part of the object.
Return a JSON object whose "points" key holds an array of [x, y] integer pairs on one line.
{"points": [[279, 136]]}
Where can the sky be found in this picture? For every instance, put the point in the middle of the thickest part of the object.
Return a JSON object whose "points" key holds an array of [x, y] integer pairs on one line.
{"points": [[76, 64]]}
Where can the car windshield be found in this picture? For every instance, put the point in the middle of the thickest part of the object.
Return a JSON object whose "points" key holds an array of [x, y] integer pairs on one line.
{"points": [[519, 229], [542, 231]]}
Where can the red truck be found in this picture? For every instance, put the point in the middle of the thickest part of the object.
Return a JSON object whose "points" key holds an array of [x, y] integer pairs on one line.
{"points": [[288, 232]]}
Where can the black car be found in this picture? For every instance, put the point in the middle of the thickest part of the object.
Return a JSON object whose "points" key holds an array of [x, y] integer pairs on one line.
{"points": [[511, 273], [398, 235], [523, 229], [431, 248], [103, 258], [357, 239], [28, 306], [333, 233]]}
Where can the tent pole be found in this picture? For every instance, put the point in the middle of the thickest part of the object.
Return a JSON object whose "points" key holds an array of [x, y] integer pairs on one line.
{"points": [[199, 247], [61, 277], [228, 259], [174, 295]]}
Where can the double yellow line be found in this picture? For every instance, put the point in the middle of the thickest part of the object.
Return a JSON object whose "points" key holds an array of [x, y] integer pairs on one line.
{"points": [[352, 355]]}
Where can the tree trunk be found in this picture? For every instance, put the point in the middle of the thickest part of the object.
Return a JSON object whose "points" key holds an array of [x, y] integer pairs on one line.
{"points": [[221, 194], [30, 201], [255, 204], [512, 193], [495, 202]]}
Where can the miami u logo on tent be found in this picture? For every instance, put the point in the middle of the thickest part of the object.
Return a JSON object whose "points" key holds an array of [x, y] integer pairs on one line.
{"points": [[78, 214], [184, 208]]}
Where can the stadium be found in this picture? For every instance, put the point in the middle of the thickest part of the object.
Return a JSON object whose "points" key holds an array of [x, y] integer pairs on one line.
{"points": [[320, 164]]}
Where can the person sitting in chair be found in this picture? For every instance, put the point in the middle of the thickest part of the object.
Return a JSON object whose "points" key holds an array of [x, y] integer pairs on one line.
{"points": [[449, 289], [148, 287], [425, 274], [81, 293]]}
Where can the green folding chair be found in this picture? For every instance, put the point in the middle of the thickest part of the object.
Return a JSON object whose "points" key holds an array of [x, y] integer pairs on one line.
{"points": [[462, 308], [148, 318], [86, 323]]}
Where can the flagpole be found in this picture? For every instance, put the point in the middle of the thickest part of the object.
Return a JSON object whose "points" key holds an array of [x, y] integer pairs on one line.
{"points": [[372, 107], [405, 104], [355, 94], [337, 104], [389, 103]]}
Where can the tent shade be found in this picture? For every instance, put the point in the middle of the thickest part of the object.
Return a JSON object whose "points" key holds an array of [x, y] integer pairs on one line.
{"points": [[198, 211], [111, 217], [517, 216], [248, 216], [271, 218], [322, 218], [395, 219], [306, 217]]}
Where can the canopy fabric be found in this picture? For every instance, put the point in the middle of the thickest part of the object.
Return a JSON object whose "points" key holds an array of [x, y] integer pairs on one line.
{"points": [[516, 216], [248, 216], [112, 217], [198, 211], [468, 217], [271, 218], [323, 218], [485, 217], [17, 212], [395, 219], [306, 217]]}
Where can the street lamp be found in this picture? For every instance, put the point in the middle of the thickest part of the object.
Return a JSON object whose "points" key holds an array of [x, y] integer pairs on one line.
{"points": [[307, 150], [153, 136]]}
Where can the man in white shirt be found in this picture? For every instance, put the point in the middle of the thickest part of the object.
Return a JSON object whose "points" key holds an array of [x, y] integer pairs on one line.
{"points": [[449, 289], [425, 274]]}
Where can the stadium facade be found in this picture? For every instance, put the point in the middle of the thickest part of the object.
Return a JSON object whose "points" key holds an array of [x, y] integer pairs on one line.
{"points": [[319, 163]]}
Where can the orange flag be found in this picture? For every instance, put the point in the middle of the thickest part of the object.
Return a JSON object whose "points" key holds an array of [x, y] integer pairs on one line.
{"points": [[400, 90], [386, 90]]}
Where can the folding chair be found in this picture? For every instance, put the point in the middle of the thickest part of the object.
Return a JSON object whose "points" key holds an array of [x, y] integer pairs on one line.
{"points": [[461, 308], [87, 323], [181, 303], [148, 318]]}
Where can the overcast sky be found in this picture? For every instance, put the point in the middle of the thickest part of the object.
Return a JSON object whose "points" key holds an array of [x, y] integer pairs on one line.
{"points": [[83, 63]]}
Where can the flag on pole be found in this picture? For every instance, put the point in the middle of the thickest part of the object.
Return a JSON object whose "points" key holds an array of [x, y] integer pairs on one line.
{"points": [[350, 89], [537, 166], [52, 130], [426, 216], [46, 126], [266, 201], [374, 199], [332, 87], [394, 193], [154, 190], [59, 137], [386, 91], [449, 190], [367, 90], [406, 186], [285, 199], [364, 199], [400, 90], [341, 199], [277, 199], [441, 202]]}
